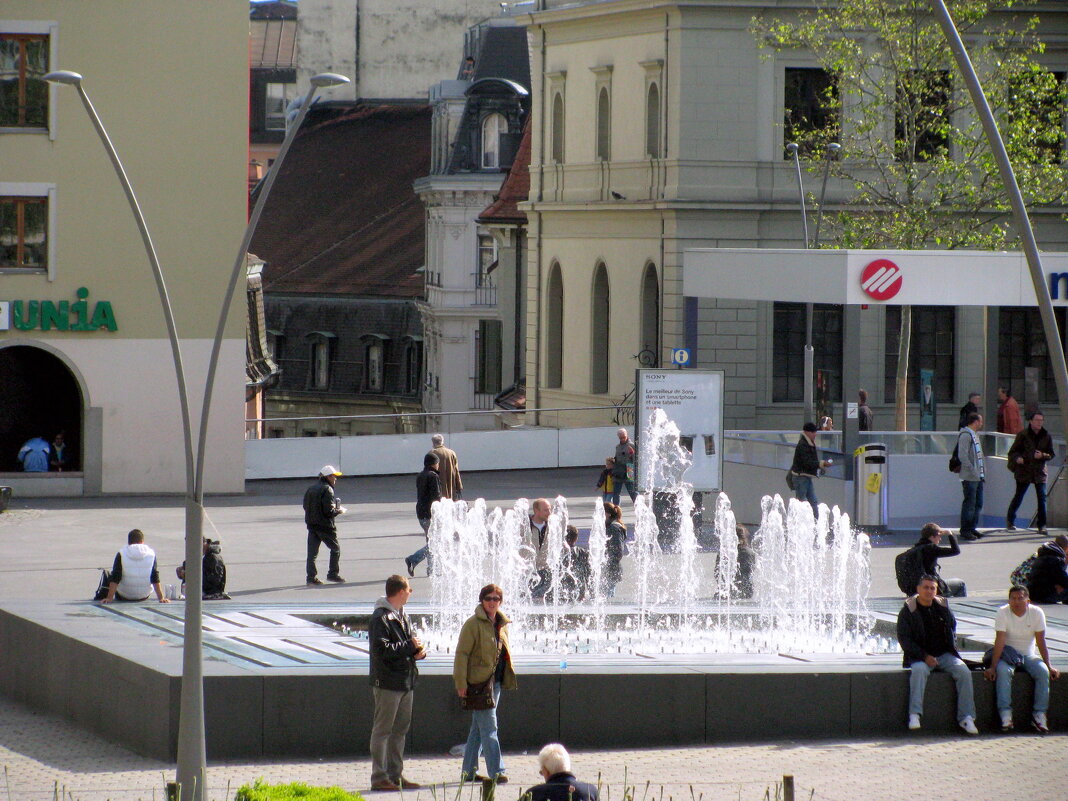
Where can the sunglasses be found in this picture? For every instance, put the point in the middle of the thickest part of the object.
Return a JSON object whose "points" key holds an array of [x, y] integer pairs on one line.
{"points": [[494, 598]]}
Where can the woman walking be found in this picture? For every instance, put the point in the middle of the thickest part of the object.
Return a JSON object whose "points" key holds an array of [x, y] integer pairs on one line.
{"points": [[613, 556], [483, 665]]}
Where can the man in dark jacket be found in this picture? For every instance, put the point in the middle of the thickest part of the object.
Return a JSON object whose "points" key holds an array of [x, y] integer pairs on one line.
{"points": [[320, 509], [970, 408], [926, 632], [394, 652], [427, 491], [1048, 582], [806, 467], [213, 585], [1030, 451], [930, 548], [554, 764]]}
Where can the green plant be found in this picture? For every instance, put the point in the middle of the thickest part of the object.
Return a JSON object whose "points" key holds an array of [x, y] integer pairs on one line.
{"points": [[295, 791]]}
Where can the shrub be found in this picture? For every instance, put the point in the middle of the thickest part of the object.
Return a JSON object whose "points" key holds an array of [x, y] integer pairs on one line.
{"points": [[296, 791]]}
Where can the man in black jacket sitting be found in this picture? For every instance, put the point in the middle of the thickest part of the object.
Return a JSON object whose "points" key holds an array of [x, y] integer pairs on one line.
{"points": [[394, 652], [560, 783]]}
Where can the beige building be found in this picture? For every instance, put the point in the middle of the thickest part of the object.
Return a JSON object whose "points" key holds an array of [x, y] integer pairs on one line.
{"points": [[658, 127], [83, 343]]}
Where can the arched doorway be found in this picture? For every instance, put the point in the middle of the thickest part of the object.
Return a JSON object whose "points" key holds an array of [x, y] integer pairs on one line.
{"points": [[40, 397]]}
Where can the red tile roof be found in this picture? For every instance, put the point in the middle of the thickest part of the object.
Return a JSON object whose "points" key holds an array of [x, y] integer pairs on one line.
{"points": [[343, 218], [515, 189]]}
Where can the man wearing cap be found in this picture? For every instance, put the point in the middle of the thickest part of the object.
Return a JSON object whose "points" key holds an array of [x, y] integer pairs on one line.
{"points": [[806, 467], [320, 509]]}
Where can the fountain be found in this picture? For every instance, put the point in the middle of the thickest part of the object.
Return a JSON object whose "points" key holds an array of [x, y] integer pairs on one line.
{"points": [[810, 580]]}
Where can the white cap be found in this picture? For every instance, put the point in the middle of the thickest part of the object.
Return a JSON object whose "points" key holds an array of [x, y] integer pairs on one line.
{"points": [[329, 470]]}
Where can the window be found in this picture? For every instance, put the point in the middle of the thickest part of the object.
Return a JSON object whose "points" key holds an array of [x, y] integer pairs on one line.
{"points": [[24, 232], [788, 356], [604, 125], [599, 332], [558, 129], [810, 98], [23, 90], [652, 121], [373, 363], [487, 255], [650, 331], [278, 97], [321, 352], [413, 367], [494, 127], [1022, 344], [930, 348], [554, 367], [921, 122], [488, 357], [1036, 115]]}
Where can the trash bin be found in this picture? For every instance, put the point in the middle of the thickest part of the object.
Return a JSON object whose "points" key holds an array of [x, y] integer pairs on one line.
{"points": [[870, 487], [5, 497]]}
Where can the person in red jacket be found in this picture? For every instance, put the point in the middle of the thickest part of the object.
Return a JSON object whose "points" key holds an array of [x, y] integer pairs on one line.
{"points": [[1009, 421]]}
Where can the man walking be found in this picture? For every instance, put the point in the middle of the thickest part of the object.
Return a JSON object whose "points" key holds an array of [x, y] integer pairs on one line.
{"points": [[1008, 413], [972, 475], [452, 486], [971, 407], [864, 415], [320, 509], [1030, 451], [537, 541], [623, 469], [394, 652], [806, 467], [926, 632], [427, 491], [1018, 628]]}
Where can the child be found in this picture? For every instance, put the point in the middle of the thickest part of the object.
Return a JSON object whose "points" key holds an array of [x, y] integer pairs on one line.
{"points": [[606, 482]]}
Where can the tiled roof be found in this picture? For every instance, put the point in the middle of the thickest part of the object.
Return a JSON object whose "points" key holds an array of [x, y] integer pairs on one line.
{"points": [[273, 43], [515, 189], [342, 218]]}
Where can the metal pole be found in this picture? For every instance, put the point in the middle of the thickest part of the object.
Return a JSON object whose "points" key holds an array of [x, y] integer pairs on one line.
{"points": [[1019, 208], [809, 352]]}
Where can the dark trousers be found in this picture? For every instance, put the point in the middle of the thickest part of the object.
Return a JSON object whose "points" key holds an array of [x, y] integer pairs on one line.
{"points": [[972, 505], [1017, 499], [329, 539]]}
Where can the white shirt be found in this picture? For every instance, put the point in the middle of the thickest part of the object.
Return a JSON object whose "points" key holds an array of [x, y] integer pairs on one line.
{"points": [[1020, 630]]}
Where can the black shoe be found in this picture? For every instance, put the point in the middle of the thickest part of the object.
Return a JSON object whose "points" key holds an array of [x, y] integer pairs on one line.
{"points": [[1042, 531], [336, 579], [408, 563], [969, 535], [1010, 527], [315, 581], [500, 778]]}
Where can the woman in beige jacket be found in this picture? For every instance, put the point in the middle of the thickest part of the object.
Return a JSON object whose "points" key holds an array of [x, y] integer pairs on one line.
{"points": [[482, 653]]}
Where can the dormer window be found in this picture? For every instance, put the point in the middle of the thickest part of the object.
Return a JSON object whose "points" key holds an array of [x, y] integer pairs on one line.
{"points": [[494, 127]]}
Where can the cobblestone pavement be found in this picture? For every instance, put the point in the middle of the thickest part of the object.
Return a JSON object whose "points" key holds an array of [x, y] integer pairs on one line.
{"points": [[42, 755]]}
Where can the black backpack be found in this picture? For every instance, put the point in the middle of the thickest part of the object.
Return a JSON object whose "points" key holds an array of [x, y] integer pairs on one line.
{"points": [[954, 460], [908, 567]]}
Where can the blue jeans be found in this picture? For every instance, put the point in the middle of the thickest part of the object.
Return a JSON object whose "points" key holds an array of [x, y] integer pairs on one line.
{"points": [[1039, 672], [961, 675], [424, 552], [805, 490], [972, 505], [483, 738], [1017, 499], [618, 485]]}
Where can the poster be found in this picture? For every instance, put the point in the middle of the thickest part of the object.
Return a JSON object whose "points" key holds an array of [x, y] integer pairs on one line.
{"points": [[928, 402], [693, 400]]}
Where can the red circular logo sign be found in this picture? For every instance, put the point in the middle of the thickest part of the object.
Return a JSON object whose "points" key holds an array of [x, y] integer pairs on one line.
{"points": [[881, 279]]}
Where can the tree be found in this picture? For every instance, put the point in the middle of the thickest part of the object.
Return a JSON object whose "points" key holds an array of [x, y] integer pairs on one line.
{"points": [[914, 160]]}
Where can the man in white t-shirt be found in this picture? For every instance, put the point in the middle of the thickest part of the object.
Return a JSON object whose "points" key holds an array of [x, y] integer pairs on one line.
{"points": [[1020, 627]]}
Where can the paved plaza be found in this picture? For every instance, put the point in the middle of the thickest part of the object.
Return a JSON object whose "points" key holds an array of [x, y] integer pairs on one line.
{"points": [[52, 549]]}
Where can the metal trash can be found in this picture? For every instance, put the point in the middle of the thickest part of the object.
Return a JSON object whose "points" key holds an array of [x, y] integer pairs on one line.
{"points": [[5, 497], [870, 487]]}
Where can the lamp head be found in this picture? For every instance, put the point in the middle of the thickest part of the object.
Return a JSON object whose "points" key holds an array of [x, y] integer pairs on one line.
{"points": [[64, 76], [327, 79], [835, 148], [792, 147]]}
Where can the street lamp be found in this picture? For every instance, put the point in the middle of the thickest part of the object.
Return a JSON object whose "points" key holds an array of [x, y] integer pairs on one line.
{"points": [[833, 149], [191, 749]]}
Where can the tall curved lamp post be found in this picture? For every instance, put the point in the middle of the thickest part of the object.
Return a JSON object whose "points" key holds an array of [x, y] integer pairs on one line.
{"points": [[191, 750], [1016, 201]]}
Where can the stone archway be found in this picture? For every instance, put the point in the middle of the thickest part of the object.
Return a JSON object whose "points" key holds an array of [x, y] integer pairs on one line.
{"points": [[40, 396]]}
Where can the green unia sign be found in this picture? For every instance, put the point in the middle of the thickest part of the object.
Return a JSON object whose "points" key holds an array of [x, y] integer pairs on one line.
{"points": [[47, 315]]}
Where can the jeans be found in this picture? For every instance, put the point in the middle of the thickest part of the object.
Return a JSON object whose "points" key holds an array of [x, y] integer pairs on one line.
{"points": [[424, 552], [393, 716], [618, 485], [972, 505], [961, 675], [805, 490], [1017, 499], [329, 539], [956, 588], [1039, 672], [483, 738]]}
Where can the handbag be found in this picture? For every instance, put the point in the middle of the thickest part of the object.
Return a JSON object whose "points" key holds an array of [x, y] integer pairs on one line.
{"points": [[790, 479], [479, 696]]}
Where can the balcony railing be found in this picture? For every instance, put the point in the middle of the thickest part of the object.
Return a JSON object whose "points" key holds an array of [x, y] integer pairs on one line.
{"points": [[485, 289]]}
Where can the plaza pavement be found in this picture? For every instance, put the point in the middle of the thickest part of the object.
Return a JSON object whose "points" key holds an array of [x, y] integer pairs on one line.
{"points": [[52, 548]]}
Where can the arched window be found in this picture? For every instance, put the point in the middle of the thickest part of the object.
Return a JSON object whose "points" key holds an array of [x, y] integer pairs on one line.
{"points": [[650, 309], [558, 129], [373, 366], [652, 121], [554, 340], [599, 325], [494, 126], [604, 125]]}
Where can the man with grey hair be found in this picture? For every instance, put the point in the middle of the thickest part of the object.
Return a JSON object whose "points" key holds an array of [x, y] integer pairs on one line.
{"points": [[623, 469], [448, 469], [554, 764]]}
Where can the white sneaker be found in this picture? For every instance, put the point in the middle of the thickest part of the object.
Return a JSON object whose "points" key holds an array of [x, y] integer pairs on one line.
{"points": [[1006, 720], [914, 722], [1038, 720], [968, 724]]}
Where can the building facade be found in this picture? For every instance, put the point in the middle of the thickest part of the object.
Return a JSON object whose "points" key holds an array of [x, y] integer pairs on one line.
{"points": [[83, 345], [658, 127]]}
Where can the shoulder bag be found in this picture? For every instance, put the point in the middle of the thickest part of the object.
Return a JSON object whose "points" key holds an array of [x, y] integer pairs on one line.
{"points": [[480, 696]]}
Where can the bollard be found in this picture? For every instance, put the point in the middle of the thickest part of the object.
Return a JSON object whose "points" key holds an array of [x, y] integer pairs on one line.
{"points": [[174, 791], [787, 788]]}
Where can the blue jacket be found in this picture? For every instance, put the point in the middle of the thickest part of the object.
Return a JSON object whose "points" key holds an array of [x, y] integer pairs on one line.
{"points": [[563, 787]]}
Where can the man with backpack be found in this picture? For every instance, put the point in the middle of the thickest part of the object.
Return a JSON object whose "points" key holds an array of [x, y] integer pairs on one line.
{"points": [[922, 559], [972, 475]]}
